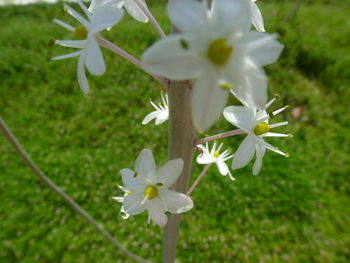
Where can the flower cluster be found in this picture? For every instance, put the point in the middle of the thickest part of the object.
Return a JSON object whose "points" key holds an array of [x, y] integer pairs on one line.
{"points": [[220, 48]]}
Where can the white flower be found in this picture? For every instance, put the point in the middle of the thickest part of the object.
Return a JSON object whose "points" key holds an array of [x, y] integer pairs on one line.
{"points": [[90, 55], [255, 123], [218, 51], [214, 156], [130, 6], [161, 114], [147, 188], [257, 19]]}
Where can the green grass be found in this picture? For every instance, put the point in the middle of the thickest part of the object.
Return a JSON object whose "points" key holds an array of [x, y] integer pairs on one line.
{"points": [[296, 210]]}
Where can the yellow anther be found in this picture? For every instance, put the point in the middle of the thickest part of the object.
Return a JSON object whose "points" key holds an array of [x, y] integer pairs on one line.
{"points": [[80, 32], [261, 128], [128, 192], [219, 52], [287, 155], [277, 96], [226, 86], [216, 154], [151, 192], [184, 44]]}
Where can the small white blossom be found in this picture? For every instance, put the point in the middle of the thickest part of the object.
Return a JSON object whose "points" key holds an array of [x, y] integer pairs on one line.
{"points": [[257, 19], [255, 123], [130, 6], [214, 156], [147, 188], [216, 49], [161, 114], [90, 55]]}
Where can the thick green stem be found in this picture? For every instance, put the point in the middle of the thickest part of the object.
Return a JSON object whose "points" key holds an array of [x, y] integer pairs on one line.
{"points": [[181, 137]]}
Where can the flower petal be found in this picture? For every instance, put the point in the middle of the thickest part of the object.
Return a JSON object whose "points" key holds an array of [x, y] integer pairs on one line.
{"points": [[83, 82], [208, 101], [260, 152], [244, 153], [129, 179], [175, 202], [132, 203], [105, 16], [94, 59], [262, 48], [156, 212], [170, 172], [168, 57], [222, 167], [150, 117], [71, 43], [145, 164], [77, 16], [70, 55], [135, 11], [241, 117], [187, 16], [230, 16], [257, 19]]}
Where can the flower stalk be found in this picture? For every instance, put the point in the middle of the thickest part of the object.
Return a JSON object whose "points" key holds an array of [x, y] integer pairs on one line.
{"points": [[199, 178], [110, 46], [219, 136]]}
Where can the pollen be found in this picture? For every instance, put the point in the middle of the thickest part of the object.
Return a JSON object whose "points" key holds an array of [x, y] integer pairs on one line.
{"points": [[219, 52], [80, 32], [261, 128], [151, 192], [216, 154], [226, 86]]}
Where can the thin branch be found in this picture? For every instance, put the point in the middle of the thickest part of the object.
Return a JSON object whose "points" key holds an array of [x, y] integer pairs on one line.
{"points": [[219, 136], [151, 18], [69, 201], [110, 46], [199, 178]]}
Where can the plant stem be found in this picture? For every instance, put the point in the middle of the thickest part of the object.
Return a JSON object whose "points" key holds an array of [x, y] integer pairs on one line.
{"points": [[110, 46], [151, 18], [181, 137], [199, 178], [56, 189], [219, 136]]}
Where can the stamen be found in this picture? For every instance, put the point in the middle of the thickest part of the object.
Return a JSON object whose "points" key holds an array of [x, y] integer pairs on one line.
{"points": [[226, 86], [216, 154], [280, 110], [184, 44]]}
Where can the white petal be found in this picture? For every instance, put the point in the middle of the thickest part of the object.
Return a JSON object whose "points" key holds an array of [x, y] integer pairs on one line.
{"points": [[230, 16], [223, 168], [208, 101], [170, 172], [244, 153], [241, 117], [105, 17], [262, 48], [135, 11], [150, 117], [260, 152], [94, 59], [205, 158], [156, 212], [72, 43], [145, 164], [129, 179], [83, 82], [175, 202], [70, 55], [77, 16], [132, 203], [169, 58], [187, 16], [162, 117], [257, 19]]}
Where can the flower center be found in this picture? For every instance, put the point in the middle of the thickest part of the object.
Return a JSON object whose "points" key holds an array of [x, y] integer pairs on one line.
{"points": [[151, 192], [216, 154], [80, 32], [219, 52], [261, 128]]}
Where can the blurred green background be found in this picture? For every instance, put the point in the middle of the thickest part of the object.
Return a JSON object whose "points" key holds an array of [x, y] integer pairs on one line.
{"points": [[295, 210]]}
